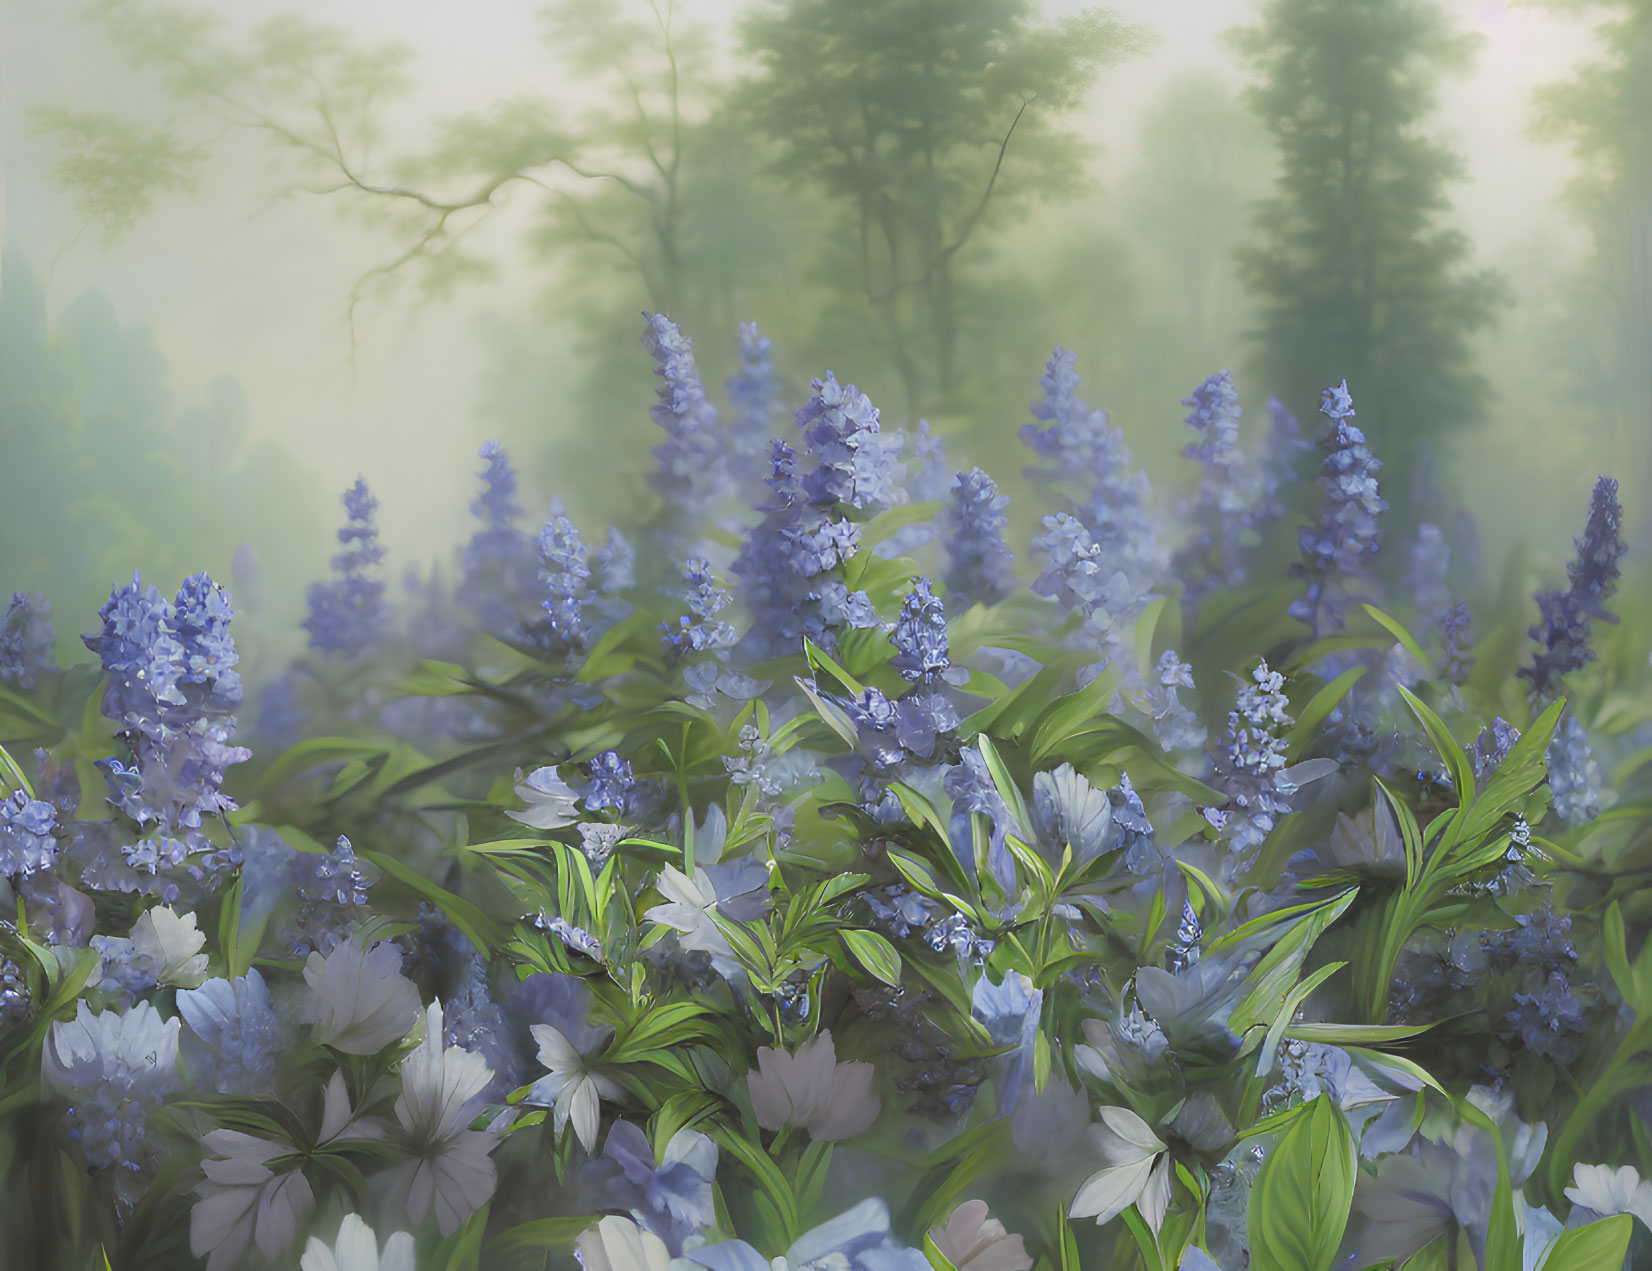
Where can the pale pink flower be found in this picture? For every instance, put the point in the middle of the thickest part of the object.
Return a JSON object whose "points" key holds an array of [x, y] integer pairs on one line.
{"points": [[810, 1089], [973, 1242]]}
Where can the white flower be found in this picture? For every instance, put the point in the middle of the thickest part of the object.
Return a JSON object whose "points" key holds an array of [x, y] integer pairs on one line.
{"points": [[1137, 1171], [136, 1052], [811, 1089], [451, 1166], [1610, 1191], [619, 1244], [552, 802], [973, 1242], [357, 1249], [171, 946], [243, 1201], [362, 1001], [572, 1088], [688, 911]]}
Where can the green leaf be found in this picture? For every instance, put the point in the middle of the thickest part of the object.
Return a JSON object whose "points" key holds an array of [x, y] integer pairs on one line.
{"points": [[887, 525], [1456, 759], [1615, 949], [1318, 709], [1519, 773], [469, 917], [1595, 1247], [874, 953], [835, 717], [1396, 629], [313, 753], [437, 679], [1355, 1034], [1300, 1204]]}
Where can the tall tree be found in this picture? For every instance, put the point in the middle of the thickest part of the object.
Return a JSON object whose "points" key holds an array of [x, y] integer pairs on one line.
{"points": [[1359, 273], [1605, 112], [925, 122]]}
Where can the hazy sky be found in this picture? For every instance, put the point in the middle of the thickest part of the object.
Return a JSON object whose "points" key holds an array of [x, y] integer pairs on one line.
{"points": [[229, 282]]}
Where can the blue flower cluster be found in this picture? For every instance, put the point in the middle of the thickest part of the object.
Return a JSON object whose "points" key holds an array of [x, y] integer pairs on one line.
{"points": [[172, 689], [697, 631]]}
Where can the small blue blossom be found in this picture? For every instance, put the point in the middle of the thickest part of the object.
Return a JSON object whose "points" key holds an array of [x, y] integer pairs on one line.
{"points": [[1347, 536], [610, 783], [970, 786], [1177, 726], [349, 614], [695, 631], [27, 842], [1567, 615], [332, 893], [563, 572], [1549, 1020], [26, 641], [980, 567], [920, 636]]}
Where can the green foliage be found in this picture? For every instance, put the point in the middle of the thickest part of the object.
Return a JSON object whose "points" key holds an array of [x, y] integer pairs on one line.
{"points": [[1303, 1195]]}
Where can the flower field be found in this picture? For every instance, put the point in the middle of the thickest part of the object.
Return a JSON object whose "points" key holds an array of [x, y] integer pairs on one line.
{"points": [[810, 877]]}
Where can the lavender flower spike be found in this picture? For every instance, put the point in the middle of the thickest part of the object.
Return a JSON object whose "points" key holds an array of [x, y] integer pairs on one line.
{"points": [[1347, 535], [349, 614], [26, 640], [856, 462], [755, 396], [693, 477], [499, 559], [1567, 615], [979, 564], [563, 570]]}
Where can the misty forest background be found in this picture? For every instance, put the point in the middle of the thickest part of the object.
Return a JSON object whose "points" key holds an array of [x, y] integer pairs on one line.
{"points": [[250, 253]]}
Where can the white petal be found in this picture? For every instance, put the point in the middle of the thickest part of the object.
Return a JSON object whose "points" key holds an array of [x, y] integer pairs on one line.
{"points": [[1155, 1197], [1108, 1193]]}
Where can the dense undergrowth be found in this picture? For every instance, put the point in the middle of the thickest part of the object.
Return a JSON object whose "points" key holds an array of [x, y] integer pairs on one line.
{"points": [[806, 875]]}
